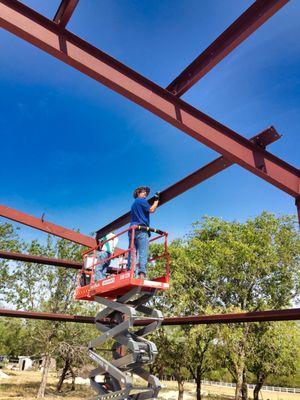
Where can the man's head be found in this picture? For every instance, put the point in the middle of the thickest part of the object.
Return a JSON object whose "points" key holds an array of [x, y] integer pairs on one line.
{"points": [[141, 192]]}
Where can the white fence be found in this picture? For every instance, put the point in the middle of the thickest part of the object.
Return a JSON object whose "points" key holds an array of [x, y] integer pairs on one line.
{"points": [[251, 386]]}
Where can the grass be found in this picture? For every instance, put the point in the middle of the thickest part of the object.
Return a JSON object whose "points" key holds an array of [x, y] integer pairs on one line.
{"points": [[24, 385]]}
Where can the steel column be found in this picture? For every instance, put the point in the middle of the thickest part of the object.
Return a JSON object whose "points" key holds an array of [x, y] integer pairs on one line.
{"points": [[45, 34], [257, 14], [268, 136], [255, 316], [65, 11], [7, 255]]}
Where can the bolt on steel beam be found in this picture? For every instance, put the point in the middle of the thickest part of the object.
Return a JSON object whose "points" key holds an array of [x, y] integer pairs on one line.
{"points": [[255, 316], [256, 15]]}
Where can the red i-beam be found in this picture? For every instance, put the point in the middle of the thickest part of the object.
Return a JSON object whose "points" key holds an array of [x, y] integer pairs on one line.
{"points": [[45, 226], [256, 15], [254, 316], [31, 258]]}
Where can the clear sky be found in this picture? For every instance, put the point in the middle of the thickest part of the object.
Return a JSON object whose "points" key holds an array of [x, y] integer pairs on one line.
{"points": [[75, 150]]}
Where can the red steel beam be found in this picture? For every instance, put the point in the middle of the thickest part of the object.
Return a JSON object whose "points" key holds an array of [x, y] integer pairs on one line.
{"points": [[255, 316], [18, 19], [46, 226], [256, 15], [7, 255], [266, 137], [64, 45], [65, 11]]}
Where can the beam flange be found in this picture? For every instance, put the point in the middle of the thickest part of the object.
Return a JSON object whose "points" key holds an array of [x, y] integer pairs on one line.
{"points": [[255, 316], [265, 138], [62, 44], [257, 14], [65, 11], [8, 255]]}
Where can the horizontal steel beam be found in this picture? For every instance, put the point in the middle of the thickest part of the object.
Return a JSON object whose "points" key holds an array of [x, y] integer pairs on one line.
{"points": [[7, 255], [255, 316], [45, 226], [257, 14], [65, 11], [64, 45], [268, 136]]}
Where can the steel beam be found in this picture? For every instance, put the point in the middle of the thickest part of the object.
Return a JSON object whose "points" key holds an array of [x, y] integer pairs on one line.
{"points": [[47, 227], [64, 45], [65, 11], [255, 316], [268, 136], [7, 255], [257, 14]]}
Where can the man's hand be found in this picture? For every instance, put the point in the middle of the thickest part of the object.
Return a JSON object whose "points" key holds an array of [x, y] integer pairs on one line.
{"points": [[155, 204], [157, 196]]}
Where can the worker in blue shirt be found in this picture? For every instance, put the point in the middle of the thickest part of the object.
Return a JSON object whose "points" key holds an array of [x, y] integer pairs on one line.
{"points": [[140, 215]]}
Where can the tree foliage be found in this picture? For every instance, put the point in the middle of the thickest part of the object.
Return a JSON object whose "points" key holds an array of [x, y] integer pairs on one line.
{"points": [[219, 266]]}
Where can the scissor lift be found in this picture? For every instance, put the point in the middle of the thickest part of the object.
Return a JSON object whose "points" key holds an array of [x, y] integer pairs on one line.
{"points": [[124, 297]]}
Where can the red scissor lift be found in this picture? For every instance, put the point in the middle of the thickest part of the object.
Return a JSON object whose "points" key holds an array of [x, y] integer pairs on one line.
{"points": [[124, 297], [121, 279]]}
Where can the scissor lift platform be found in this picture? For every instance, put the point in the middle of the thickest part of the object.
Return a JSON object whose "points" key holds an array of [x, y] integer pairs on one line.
{"points": [[117, 285], [122, 279]]}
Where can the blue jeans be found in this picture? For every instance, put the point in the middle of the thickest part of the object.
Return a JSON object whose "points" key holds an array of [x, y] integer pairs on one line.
{"points": [[101, 268], [141, 244]]}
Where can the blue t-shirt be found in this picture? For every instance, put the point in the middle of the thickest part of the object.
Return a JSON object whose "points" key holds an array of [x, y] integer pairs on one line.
{"points": [[139, 214]]}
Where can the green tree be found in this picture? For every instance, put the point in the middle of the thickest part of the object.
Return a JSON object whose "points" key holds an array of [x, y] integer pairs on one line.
{"points": [[234, 343], [202, 352], [274, 351], [173, 354], [249, 266], [14, 338], [44, 288]]}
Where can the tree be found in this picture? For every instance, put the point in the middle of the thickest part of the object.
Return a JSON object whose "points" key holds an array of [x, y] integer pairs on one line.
{"points": [[44, 288], [234, 343], [202, 352], [14, 338], [9, 241], [274, 351], [249, 266], [173, 354]]}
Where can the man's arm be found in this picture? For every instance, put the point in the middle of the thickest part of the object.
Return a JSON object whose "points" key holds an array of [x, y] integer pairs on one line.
{"points": [[155, 204]]}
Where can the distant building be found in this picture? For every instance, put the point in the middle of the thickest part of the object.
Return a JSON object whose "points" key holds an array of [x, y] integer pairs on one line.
{"points": [[25, 363]]}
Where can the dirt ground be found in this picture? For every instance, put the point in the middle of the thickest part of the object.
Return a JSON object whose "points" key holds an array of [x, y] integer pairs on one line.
{"points": [[24, 385]]}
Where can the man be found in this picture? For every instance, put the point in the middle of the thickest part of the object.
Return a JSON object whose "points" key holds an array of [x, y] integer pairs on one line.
{"points": [[140, 215], [105, 252]]}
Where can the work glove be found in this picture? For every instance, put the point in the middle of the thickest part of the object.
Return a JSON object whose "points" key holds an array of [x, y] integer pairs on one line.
{"points": [[157, 196]]}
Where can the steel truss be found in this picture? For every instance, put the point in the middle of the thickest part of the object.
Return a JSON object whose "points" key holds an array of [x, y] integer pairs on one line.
{"points": [[64, 45]]}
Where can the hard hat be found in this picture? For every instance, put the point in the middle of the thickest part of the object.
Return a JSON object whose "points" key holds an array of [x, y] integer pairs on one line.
{"points": [[140, 189]]}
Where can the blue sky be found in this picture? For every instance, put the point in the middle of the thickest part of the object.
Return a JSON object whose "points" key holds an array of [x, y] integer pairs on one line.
{"points": [[76, 150]]}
